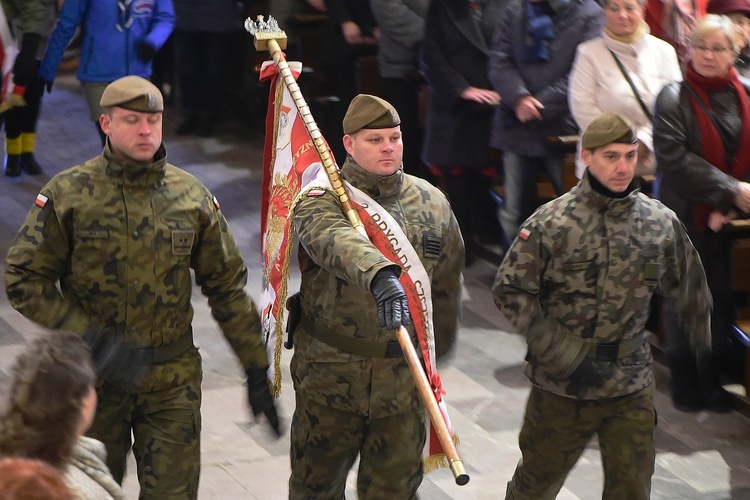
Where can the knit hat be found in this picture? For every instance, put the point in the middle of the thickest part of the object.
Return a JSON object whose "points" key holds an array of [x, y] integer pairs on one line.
{"points": [[369, 111], [133, 93], [606, 129], [728, 7]]}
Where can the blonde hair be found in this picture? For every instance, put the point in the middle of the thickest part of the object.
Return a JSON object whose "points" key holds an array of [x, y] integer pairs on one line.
{"points": [[715, 22]]}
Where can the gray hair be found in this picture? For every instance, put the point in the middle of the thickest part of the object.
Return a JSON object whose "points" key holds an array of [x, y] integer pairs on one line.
{"points": [[715, 22]]}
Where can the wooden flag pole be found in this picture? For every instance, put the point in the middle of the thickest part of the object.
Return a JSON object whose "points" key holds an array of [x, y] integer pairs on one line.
{"points": [[268, 36]]}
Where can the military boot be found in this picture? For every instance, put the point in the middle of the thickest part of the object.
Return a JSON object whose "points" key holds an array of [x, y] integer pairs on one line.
{"points": [[684, 384], [30, 165], [13, 165]]}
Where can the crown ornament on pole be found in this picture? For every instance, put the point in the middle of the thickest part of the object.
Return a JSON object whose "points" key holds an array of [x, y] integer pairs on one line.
{"points": [[263, 31]]}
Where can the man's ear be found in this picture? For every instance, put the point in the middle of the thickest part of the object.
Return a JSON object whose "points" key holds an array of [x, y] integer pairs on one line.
{"points": [[105, 121], [586, 156], [348, 141]]}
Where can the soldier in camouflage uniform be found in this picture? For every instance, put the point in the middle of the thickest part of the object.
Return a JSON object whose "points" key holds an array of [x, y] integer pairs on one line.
{"points": [[120, 234], [355, 394], [578, 281]]}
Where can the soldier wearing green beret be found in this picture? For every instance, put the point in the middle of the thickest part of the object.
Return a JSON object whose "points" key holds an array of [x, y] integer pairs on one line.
{"points": [[106, 252], [577, 282], [354, 392]]}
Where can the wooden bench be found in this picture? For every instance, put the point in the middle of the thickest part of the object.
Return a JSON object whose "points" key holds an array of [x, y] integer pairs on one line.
{"points": [[741, 284]]}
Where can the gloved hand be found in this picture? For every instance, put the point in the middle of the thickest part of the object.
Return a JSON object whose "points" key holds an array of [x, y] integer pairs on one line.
{"points": [[44, 85], [145, 51], [259, 396], [113, 356], [25, 67], [390, 297]]}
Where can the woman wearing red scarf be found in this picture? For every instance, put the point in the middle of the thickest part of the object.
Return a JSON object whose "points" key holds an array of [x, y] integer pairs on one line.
{"points": [[702, 146]]}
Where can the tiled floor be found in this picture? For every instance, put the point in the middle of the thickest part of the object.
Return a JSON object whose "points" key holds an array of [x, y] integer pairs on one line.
{"points": [[700, 456]]}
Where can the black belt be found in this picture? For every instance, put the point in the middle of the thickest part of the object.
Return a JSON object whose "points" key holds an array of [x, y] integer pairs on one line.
{"points": [[616, 350], [164, 353], [390, 349]]}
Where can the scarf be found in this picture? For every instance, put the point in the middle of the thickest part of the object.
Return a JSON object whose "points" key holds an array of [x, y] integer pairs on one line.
{"points": [[712, 147], [629, 38], [540, 30]]}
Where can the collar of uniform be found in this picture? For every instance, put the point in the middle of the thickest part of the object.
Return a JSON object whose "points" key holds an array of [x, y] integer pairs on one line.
{"points": [[132, 172], [599, 201], [376, 186]]}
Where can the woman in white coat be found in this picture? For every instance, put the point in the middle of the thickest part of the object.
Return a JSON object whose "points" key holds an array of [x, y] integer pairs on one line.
{"points": [[622, 71]]}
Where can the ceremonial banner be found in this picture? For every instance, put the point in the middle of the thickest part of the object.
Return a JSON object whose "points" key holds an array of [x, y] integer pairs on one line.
{"points": [[7, 56], [292, 167], [288, 153]]}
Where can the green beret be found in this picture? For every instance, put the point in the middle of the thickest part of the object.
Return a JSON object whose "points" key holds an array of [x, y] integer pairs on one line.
{"points": [[606, 129], [133, 93], [369, 111]]}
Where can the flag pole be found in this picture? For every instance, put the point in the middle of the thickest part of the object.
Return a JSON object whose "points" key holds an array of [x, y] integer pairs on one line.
{"points": [[268, 36]]}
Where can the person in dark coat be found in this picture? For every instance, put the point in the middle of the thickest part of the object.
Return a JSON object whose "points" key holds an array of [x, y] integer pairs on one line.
{"points": [[530, 61], [455, 59]]}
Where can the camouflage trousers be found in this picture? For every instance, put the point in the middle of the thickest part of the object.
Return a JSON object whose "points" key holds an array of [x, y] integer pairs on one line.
{"points": [[325, 444], [166, 427], [557, 429]]}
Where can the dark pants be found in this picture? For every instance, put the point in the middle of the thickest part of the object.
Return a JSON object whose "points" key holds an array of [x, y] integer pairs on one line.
{"points": [[403, 94], [557, 429], [203, 61], [166, 425], [326, 442], [22, 119]]}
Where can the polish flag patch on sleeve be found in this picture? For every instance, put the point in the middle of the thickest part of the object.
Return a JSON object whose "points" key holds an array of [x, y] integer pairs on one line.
{"points": [[524, 234], [316, 192], [41, 200], [216, 202]]}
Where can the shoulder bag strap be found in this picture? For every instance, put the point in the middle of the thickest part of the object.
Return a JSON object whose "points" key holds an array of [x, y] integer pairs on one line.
{"points": [[632, 86]]}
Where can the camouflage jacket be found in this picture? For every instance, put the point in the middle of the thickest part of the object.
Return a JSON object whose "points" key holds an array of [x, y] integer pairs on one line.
{"points": [[589, 264], [121, 239], [338, 265], [31, 16]]}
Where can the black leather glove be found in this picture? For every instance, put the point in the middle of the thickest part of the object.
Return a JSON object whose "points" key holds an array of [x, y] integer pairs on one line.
{"points": [[390, 297], [113, 356], [259, 396], [25, 67], [145, 51]]}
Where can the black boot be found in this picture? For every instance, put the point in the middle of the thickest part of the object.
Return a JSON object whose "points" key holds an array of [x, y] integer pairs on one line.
{"points": [[13, 165], [715, 398], [29, 164], [684, 382]]}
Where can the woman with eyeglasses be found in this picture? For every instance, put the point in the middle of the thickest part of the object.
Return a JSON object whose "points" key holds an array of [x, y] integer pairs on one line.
{"points": [[622, 71], [702, 147]]}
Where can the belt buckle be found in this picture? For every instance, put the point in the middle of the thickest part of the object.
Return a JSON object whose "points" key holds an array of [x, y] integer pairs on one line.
{"points": [[393, 349], [607, 352]]}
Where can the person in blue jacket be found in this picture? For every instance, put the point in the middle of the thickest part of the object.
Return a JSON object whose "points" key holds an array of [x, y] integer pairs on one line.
{"points": [[120, 39]]}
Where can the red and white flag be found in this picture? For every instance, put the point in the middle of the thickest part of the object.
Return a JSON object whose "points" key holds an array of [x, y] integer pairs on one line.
{"points": [[293, 167], [7, 56], [288, 153]]}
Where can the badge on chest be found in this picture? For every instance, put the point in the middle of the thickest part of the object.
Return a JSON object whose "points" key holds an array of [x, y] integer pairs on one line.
{"points": [[182, 242]]}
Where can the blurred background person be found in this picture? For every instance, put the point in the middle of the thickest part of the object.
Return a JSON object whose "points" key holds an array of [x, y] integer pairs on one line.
{"points": [[739, 12], [119, 40], [31, 23], [352, 34], [530, 61], [702, 147], [622, 71], [203, 40], [28, 479], [402, 28], [455, 60], [51, 403]]}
